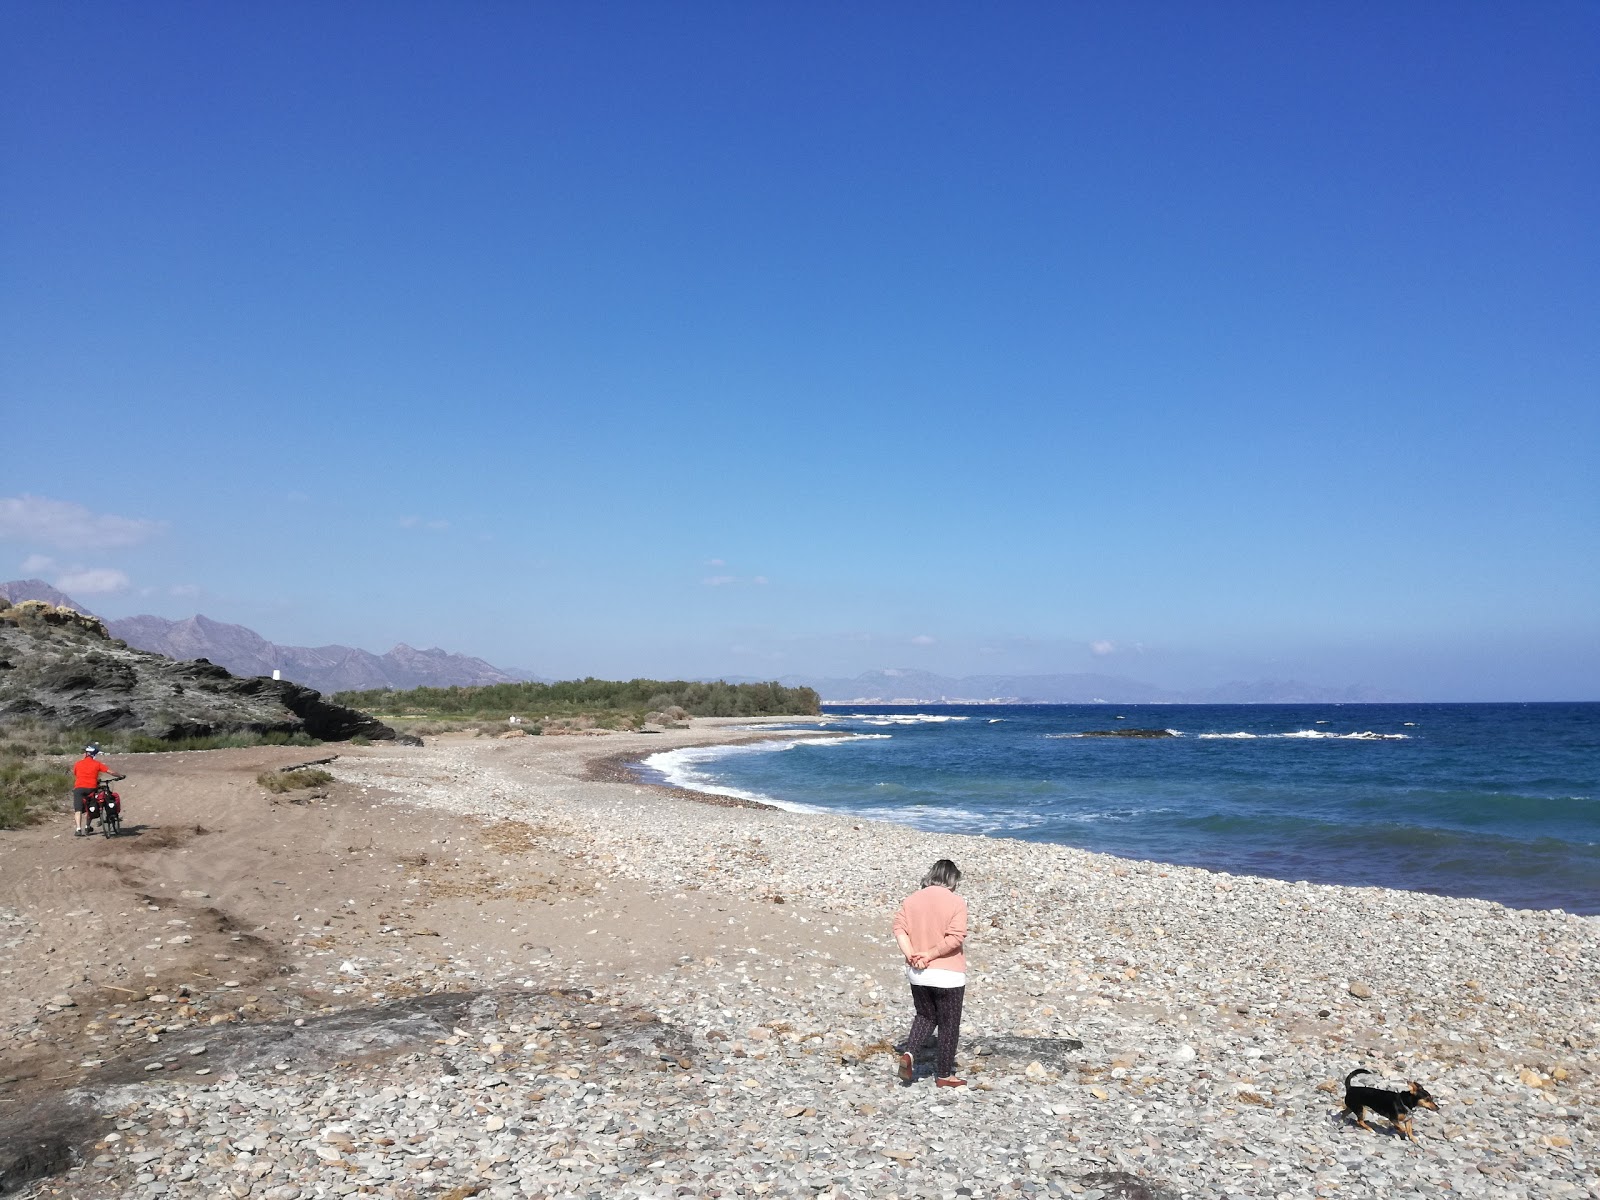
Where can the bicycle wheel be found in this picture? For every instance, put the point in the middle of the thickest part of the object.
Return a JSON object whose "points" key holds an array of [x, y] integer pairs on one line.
{"points": [[111, 824]]}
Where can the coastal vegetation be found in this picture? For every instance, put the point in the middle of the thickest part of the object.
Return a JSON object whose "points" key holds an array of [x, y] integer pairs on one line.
{"points": [[33, 738], [597, 702]]}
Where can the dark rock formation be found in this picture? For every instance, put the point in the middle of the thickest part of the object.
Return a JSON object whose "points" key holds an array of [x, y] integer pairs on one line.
{"points": [[64, 670], [1129, 733]]}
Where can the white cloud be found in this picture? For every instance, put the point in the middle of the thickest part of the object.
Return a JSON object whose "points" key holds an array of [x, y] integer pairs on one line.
{"points": [[716, 562], [759, 580], [1102, 648], [719, 580], [38, 564], [923, 639], [92, 581], [70, 526], [185, 589], [423, 523]]}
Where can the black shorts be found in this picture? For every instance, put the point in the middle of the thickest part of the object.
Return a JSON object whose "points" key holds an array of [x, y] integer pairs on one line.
{"points": [[80, 799]]}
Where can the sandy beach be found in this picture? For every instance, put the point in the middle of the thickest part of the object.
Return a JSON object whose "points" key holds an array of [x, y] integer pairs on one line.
{"points": [[502, 967]]}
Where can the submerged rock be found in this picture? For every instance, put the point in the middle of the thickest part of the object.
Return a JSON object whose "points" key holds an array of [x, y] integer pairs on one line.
{"points": [[1129, 733]]}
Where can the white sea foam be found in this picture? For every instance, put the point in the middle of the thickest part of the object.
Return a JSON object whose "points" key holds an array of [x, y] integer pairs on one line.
{"points": [[1112, 814], [1367, 736], [901, 718], [945, 819], [1316, 735], [684, 768], [1169, 732]]}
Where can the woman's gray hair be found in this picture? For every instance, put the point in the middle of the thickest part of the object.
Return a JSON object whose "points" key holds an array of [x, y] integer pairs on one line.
{"points": [[943, 873]]}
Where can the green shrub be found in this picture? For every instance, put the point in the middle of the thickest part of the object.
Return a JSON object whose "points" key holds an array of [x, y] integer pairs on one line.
{"points": [[142, 744], [608, 702]]}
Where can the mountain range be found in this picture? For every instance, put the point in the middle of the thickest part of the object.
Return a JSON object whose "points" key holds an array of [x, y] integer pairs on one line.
{"points": [[245, 652], [906, 686], [345, 668]]}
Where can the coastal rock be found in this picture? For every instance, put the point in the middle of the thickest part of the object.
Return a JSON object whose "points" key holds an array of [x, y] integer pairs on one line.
{"points": [[1129, 733], [68, 673]]}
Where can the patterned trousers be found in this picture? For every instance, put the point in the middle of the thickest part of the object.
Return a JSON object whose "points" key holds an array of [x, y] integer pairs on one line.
{"points": [[941, 1007]]}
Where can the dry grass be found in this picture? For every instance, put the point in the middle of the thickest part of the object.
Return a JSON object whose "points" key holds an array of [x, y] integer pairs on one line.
{"points": [[28, 792], [289, 781], [514, 837]]}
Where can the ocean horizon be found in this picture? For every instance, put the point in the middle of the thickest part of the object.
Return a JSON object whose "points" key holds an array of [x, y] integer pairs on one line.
{"points": [[1495, 801]]}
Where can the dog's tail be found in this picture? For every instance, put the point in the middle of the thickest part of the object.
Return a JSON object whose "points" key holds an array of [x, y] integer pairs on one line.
{"points": [[1353, 1074]]}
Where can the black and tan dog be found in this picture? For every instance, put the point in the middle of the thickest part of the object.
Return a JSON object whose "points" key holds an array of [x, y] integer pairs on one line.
{"points": [[1396, 1106]]}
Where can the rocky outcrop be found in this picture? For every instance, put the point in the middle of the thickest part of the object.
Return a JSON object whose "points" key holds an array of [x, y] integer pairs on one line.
{"points": [[1129, 733], [19, 590], [61, 667], [245, 652]]}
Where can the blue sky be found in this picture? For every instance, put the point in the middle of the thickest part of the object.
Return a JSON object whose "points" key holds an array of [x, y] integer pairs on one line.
{"points": [[1182, 342]]}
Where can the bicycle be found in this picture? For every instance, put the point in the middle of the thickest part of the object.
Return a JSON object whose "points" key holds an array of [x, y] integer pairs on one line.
{"points": [[105, 806]]}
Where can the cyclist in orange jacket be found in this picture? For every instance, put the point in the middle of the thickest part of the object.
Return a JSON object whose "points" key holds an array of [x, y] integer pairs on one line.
{"points": [[86, 775]]}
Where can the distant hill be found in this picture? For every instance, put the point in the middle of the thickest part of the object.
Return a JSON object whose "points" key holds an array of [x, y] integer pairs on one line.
{"points": [[245, 652], [19, 590], [898, 685], [326, 668]]}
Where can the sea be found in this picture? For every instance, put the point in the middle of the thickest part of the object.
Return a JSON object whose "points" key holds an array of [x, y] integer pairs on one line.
{"points": [[1496, 801]]}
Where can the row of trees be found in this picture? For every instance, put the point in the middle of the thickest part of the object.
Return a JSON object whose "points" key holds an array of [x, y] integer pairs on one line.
{"points": [[500, 700]]}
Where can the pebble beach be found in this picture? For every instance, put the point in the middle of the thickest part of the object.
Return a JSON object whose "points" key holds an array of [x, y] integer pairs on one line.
{"points": [[722, 1021]]}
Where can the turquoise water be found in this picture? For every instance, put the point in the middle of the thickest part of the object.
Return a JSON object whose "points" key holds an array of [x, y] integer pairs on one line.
{"points": [[1499, 801]]}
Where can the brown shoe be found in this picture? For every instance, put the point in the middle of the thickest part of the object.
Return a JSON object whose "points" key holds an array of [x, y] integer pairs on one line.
{"points": [[951, 1082], [907, 1069]]}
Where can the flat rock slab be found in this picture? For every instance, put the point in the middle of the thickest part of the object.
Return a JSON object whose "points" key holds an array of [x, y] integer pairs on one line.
{"points": [[1050, 1052], [1120, 1185], [44, 1140]]}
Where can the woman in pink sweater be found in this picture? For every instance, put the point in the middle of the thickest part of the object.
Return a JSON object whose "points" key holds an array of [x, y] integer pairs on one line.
{"points": [[930, 928]]}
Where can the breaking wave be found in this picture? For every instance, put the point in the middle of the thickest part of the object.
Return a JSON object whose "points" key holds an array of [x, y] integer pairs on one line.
{"points": [[1314, 735], [688, 767]]}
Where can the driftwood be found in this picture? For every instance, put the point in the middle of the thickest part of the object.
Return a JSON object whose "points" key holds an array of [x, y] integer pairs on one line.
{"points": [[315, 762]]}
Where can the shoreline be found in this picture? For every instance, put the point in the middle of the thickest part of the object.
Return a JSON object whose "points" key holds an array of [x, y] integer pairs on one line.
{"points": [[618, 767], [581, 984]]}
